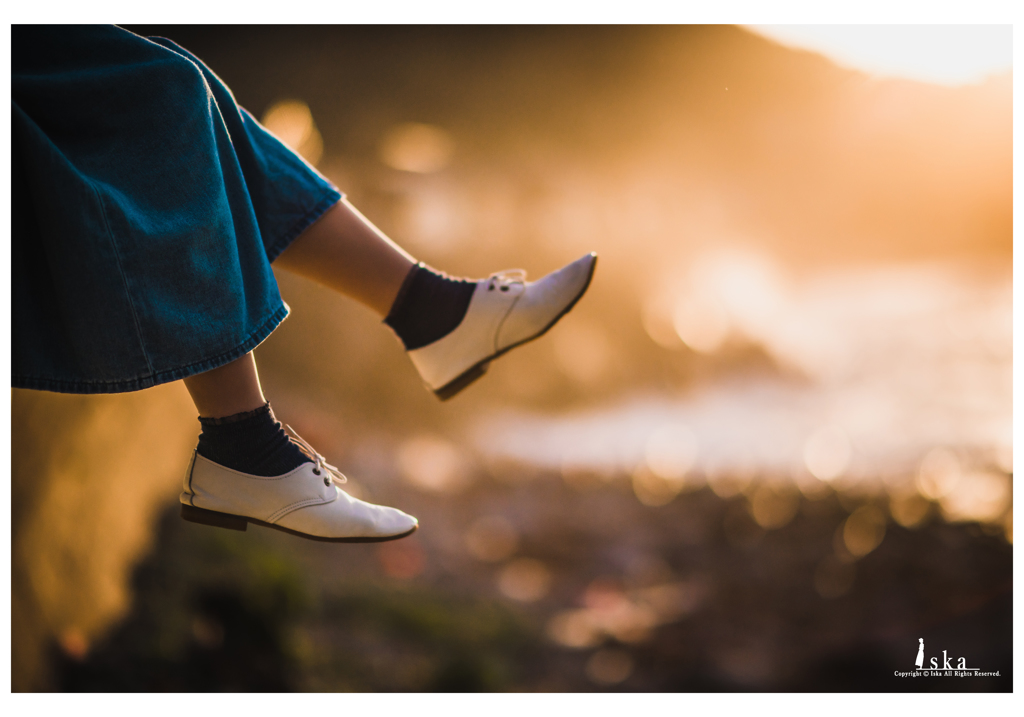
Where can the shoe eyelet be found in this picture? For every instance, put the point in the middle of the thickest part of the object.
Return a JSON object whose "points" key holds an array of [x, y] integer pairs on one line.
{"points": [[327, 481], [491, 287], [504, 288], [316, 471]]}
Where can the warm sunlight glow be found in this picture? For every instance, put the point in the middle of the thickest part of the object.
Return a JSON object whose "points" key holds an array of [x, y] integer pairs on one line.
{"points": [[768, 447], [293, 124], [941, 54]]}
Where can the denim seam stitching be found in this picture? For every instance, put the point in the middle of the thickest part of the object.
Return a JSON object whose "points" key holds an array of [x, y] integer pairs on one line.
{"points": [[137, 383]]}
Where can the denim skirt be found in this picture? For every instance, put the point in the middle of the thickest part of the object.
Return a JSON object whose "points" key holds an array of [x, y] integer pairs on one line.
{"points": [[146, 209]]}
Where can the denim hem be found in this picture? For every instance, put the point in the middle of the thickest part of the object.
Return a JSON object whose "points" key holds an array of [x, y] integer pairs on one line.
{"points": [[319, 209], [160, 377]]}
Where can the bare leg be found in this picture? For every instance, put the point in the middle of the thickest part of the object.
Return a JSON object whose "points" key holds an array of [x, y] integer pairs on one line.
{"points": [[227, 390], [344, 251]]}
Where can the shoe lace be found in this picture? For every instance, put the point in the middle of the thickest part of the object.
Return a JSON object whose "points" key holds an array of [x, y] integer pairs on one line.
{"points": [[508, 276], [321, 464]]}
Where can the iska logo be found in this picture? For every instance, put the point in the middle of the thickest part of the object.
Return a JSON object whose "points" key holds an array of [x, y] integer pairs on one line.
{"points": [[960, 665], [946, 669]]}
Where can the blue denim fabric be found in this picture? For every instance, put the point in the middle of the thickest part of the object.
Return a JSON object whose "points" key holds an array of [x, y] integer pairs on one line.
{"points": [[146, 209]]}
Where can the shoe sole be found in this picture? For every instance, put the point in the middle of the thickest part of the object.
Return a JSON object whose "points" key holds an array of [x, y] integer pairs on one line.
{"points": [[478, 369], [239, 522]]}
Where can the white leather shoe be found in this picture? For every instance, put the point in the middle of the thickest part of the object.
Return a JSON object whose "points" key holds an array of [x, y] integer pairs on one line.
{"points": [[305, 502], [505, 311]]}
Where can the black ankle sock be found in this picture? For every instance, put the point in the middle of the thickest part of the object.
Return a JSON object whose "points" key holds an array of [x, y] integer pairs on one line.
{"points": [[252, 442], [429, 306]]}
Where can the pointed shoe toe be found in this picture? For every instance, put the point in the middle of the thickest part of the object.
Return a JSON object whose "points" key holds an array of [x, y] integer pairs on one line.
{"points": [[505, 311], [306, 502], [350, 519]]}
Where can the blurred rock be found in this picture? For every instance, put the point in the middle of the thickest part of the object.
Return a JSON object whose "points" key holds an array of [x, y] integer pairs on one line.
{"points": [[89, 475]]}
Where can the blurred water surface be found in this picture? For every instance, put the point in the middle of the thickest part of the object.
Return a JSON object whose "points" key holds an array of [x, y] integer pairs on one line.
{"points": [[877, 368]]}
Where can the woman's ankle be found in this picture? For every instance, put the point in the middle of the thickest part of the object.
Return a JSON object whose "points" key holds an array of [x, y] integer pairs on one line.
{"points": [[429, 306], [252, 442]]}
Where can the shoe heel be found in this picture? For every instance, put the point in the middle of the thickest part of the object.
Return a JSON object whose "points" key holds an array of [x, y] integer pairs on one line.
{"points": [[212, 517], [452, 388]]}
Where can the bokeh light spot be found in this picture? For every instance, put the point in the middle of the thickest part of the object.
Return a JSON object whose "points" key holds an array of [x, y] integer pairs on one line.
{"points": [[939, 473], [909, 509], [651, 489], [981, 496], [402, 559], [774, 507], [417, 147], [435, 218], [671, 601], [701, 322], [609, 667], [292, 122], [656, 316], [525, 579], [864, 530], [827, 453], [729, 483], [433, 464], [491, 538], [670, 452], [609, 610], [574, 629], [74, 644]]}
